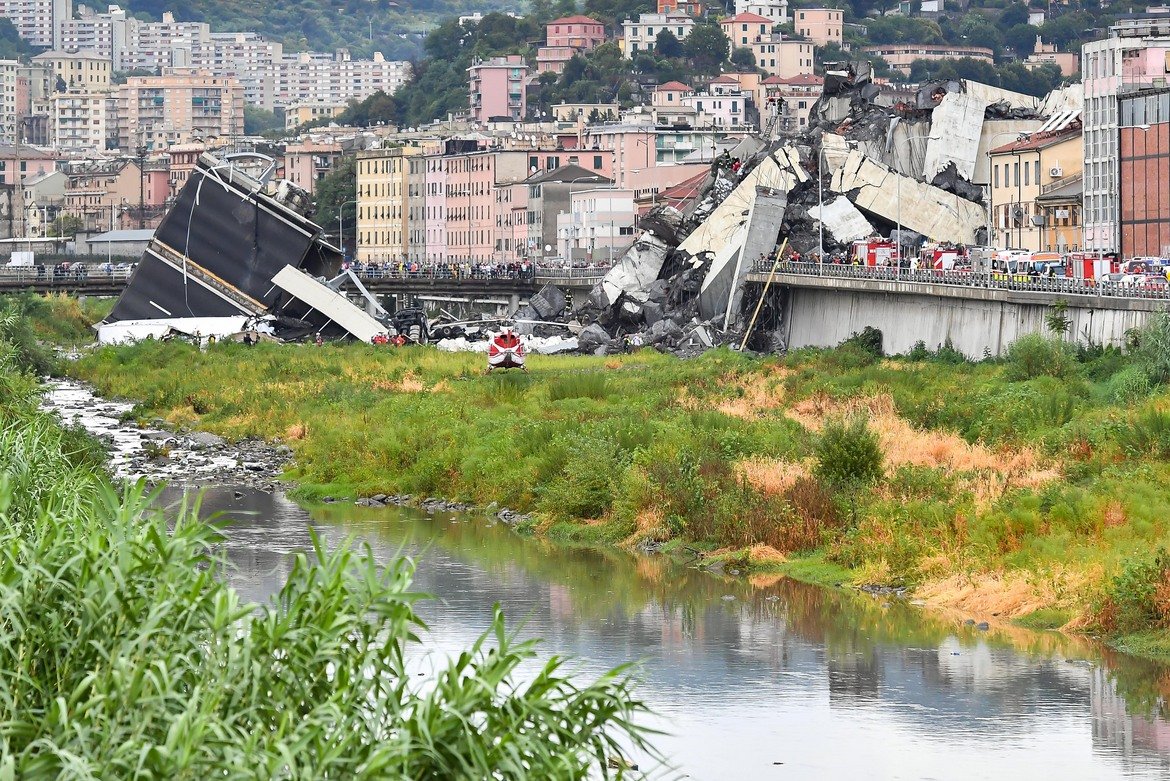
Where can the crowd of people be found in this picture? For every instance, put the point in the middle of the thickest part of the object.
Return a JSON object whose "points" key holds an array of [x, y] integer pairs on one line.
{"points": [[442, 270]]}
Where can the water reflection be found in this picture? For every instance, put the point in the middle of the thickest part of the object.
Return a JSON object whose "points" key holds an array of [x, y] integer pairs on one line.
{"points": [[771, 679]]}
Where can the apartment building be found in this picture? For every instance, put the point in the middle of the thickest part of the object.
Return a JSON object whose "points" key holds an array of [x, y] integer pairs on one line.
{"points": [[106, 33], [903, 55], [792, 99], [165, 44], [336, 79], [1135, 56], [435, 202], [1024, 170], [78, 121], [775, 10], [416, 208], [249, 57], [566, 37], [822, 26], [642, 34], [382, 235], [38, 21], [183, 104], [497, 88], [10, 120], [1144, 169], [598, 225], [18, 163], [307, 163], [302, 113], [103, 191], [744, 29], [76, 70], [783, 57]]}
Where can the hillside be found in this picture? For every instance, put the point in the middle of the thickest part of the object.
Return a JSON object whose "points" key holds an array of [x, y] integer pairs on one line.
{"points": [[394, 27]]}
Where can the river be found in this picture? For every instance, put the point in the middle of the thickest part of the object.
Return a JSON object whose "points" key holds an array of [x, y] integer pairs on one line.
{"points": [[767, 679]]}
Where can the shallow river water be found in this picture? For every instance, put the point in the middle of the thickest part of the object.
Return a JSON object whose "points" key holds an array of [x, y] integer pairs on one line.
{"points": [[762, 679]]}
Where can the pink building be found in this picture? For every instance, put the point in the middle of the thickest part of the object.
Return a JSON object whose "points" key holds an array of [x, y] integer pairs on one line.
{"points": [[24, 162], [512, 223], [742, 29], [633, 148], [670, 94], [577, 32], [566, 37], [436, 208], [307, 163], [497, 88]]}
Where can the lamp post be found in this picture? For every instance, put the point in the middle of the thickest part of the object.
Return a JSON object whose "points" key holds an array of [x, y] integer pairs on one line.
{"points": [[341, 227]]}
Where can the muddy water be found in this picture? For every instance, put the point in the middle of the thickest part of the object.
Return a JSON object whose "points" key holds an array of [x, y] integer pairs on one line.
{"points": [[766, 679]]}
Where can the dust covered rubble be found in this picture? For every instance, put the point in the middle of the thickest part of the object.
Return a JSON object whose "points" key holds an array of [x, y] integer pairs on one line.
{"points": [[680, 288]]}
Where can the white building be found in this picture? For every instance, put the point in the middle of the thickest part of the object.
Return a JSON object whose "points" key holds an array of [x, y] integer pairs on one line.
{"points": [[8, 112], [311, 77], [722, 105], [249, 57], [599, 225], [78, 121], [641, 35], [38, 21], [1136, 54], [776, 10], [132, 43]]}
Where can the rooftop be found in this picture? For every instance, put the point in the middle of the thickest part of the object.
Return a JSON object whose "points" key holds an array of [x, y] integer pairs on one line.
{"points": [[1039, 140], [673, 86], [124, 235], [578, 19], [747, 19], [570, 173]]}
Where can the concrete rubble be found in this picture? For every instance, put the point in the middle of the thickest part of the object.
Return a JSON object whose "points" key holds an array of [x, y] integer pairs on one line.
{"points": [[871, 162]]}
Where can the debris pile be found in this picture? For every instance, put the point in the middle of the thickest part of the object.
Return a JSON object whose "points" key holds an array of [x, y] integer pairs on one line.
{"points": [[871, 164]]}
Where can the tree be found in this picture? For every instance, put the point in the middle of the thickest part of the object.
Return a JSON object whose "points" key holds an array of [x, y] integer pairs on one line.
{"points": [[1021, 38], [707, 47], [338, 187], [744, 58], [667, 44], [258, 120], [1014, 14], [66, 226]]}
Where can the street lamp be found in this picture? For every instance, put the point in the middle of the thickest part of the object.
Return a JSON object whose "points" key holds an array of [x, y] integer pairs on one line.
{"points": [[341, 227]]}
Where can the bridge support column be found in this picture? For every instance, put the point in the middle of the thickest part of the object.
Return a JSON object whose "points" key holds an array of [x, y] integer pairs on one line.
{"points": [[513, 303]]}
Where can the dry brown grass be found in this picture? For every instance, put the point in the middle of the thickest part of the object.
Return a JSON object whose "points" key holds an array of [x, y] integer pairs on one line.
{"points": [[988, 472], [755, 395], [771, 476], [295, 432], [650, 524], [410, 383], [1010, 595]]}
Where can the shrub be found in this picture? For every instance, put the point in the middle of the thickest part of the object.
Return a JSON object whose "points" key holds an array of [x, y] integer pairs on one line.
{"points": [[1138, 597], [868, 340], [1035, 355], [848, 453], [1147, 434], [1153, 347], [1129, 385]]}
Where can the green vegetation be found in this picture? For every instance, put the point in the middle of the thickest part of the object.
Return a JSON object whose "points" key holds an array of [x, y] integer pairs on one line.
{"points": [[1025, 475], [125, 655]]}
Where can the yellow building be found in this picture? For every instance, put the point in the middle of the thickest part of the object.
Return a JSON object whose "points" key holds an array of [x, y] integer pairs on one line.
{"points": [[303, 113], [1024, 171], [77, 70], [383, 205]]}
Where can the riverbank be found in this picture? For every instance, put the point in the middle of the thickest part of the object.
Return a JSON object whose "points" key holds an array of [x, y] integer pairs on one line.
{"points": [[1026, 490]]}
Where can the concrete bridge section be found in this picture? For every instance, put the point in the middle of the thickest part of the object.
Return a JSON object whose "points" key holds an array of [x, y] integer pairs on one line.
{"points": [[979, 315], [460, 295]]}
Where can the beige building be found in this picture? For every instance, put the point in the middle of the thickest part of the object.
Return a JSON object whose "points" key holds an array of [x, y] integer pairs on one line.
{"points": [[1047, 54], [820, 25], [303, 113], [783, 57], [903, 55], [77, 71], [307, 163], [382, 186], [183, 104], [1022, 172]]}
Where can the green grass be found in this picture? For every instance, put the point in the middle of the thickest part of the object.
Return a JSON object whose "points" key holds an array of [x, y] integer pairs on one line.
{"points": [[1045, 618], [644, 446]]}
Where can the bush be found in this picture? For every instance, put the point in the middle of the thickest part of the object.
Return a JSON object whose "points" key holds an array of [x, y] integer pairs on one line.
{"points": [[849, 453], [1129, 385], [1035, 355], [1138, 597], [869, 340], [1153, 347], [1148, 434]]}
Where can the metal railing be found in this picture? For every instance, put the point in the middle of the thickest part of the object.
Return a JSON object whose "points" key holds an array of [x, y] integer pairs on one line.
{"points": [[997, 280], [18, 276]]}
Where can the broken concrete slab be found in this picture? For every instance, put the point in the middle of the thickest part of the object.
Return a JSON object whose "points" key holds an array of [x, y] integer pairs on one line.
{"points": [[715, 286], [329, 303], [763, 226], [636, 271], [955, 130], [548, 302], [934, 213], [842, 220]]}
